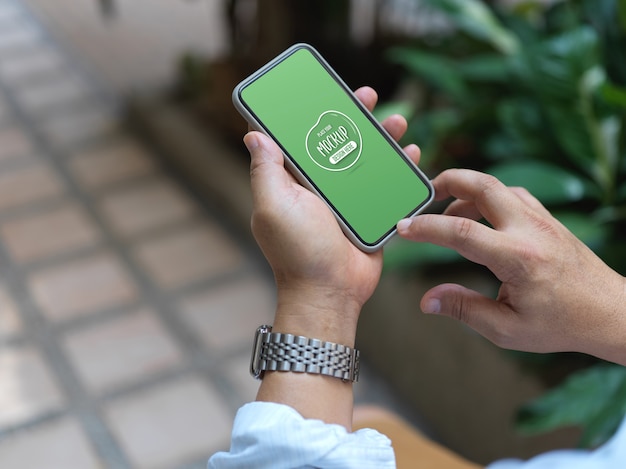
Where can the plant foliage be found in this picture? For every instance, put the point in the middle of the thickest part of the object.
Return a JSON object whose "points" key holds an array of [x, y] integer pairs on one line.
{"points": [[535, 95], [594, 398], [536, 98]]}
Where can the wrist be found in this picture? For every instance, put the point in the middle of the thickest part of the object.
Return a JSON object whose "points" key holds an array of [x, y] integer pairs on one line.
{"points": [[611, 346], [318, 313]]}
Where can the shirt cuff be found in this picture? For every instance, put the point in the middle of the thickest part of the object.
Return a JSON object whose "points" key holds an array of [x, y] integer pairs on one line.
{"points": [[270, 435]]}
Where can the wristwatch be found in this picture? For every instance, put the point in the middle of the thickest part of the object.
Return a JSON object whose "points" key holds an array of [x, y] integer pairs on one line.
{"points": [[275, 351]]}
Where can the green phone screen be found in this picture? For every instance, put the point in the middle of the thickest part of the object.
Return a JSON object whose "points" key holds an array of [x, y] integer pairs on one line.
{"points": [[335, 145]]}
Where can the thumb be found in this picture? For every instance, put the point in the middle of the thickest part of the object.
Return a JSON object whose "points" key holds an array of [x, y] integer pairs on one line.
{"points": [[267, 171], [486, 316], [262, 150]]}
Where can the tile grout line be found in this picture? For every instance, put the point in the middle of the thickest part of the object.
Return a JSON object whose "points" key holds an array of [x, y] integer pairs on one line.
{"points": [[39, 336], [73, 60], [160, 302], [77, 402]]}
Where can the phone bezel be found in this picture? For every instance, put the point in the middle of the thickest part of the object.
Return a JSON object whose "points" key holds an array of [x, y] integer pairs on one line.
{"points": [[297, 171]]}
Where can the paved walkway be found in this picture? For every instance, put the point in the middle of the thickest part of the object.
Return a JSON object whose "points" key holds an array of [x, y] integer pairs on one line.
{"points": [[135, 43], [127, 306]]}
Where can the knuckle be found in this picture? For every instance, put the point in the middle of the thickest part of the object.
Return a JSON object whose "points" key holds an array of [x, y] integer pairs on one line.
{"points": [[535, 256], [464, 230], [520, 190], [547, 226], [489, 188], [460, 308], [256, 166], [490, 183], [527, 253]]}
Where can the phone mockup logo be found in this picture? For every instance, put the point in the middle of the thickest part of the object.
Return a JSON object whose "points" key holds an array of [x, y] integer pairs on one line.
{"points": [[334, 143]]}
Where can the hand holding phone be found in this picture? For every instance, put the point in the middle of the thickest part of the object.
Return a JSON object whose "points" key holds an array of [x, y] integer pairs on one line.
{"points": [[333, 145]]}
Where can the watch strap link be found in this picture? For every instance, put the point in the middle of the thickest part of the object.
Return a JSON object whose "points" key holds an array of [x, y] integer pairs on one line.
{"points": [[274, 351]]}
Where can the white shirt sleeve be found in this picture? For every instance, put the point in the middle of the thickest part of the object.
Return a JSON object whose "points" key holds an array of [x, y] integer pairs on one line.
{"points": [[268, 435]]}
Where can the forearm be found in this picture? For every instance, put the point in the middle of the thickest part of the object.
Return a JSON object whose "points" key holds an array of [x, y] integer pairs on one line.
{"points": [[324, 316], [322, 278], [606, 338]]}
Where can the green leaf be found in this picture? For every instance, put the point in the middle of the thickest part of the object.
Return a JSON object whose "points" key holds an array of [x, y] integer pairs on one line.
{"points": [[523, 124], [550, 184], [609, 130], [579, 400], [430, 130], [476, 19], [572, 132], [614, 95], [554, 68], [485, 67], [621, 14], [601, 427], [436, 70], [504, 147]]}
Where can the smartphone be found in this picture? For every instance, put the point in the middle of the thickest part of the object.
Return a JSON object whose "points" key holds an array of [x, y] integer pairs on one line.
{"points": [[333, 145]]}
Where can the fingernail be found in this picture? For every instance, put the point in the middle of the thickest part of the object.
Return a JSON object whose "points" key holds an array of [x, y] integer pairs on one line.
{"points": [[403, 225], [413, 147], [251, 141], [432, 306]]}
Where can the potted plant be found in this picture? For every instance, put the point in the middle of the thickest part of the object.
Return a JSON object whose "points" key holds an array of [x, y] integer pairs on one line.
{"points": [[534, 93]]}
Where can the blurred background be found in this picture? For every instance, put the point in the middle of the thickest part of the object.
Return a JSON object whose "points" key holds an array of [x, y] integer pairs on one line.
{"points": [[130, 286]]}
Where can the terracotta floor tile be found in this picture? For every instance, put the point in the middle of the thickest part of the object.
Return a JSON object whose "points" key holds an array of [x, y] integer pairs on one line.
{"points": [[29, 184], [36, 64], [68, 128], [95, 168], [10, 321], [187, 256], [141, 52], [9, 12], [82, 287], [238, 371], [4, 110], [137, 374], [122, 351], [56, 90], [14, 142], [56, 231], [134, 210], [167, 426], [60, 443], [226, 316], [19, 35], [27, 389]]}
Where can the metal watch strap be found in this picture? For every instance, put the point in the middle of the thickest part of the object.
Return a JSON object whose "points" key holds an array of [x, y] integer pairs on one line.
{"points": [[275, 351]]}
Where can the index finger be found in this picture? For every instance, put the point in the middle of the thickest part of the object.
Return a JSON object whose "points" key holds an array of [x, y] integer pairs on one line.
{"points": [[474, 241], [495, 202]]}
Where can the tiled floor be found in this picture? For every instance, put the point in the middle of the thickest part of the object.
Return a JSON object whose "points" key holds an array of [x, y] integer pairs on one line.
{"points": [[126, 305], [136, 43]]}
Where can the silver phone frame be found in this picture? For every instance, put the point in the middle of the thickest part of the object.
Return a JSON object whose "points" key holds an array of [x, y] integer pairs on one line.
{"points": [[303, 178]]}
